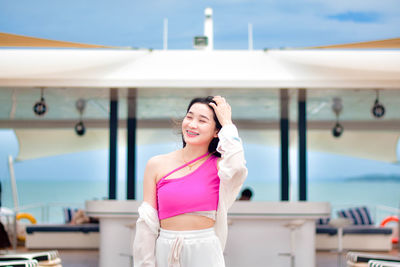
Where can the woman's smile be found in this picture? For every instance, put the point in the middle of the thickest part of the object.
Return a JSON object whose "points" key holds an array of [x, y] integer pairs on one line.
{"points": [[190, 133]]}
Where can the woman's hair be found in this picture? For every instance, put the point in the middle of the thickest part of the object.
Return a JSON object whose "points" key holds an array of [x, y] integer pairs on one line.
{"points": [[212, 148]]}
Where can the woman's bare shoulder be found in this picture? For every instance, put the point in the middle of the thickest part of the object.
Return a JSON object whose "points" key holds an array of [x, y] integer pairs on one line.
{"points": [[161, 160], [158, 165]]}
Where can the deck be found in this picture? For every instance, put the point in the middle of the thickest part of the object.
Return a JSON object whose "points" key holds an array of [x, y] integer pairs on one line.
{"points": [[89, 258]]}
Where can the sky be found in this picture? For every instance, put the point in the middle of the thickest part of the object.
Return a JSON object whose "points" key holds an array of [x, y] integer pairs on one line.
{"points": [[276, 24]]}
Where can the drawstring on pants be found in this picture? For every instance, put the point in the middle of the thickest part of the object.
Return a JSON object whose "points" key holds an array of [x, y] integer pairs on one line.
{"points": [[174, 254]]}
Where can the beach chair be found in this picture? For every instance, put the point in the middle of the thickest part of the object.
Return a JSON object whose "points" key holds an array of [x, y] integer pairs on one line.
{"points": [[375, 263], [20, 263], [44, 258], [359, 259]]}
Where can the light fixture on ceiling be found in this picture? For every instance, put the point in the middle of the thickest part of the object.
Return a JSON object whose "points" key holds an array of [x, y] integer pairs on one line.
{"points": [[80, 128], [40, 107], [378, 110], [337, 108]]}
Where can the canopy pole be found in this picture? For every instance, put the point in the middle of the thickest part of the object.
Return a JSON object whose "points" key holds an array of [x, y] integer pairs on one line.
{"points": [[112, 186], [131, 150], [302, 129], [284, 123]]}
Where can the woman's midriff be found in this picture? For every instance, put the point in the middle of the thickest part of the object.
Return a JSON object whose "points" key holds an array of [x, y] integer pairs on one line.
{"points": [[186, 222]]}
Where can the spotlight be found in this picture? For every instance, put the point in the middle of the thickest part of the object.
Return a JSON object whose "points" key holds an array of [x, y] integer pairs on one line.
{"points": [[337, 107], [40, 107], [337, 130], [80, 128], [378, 110]]}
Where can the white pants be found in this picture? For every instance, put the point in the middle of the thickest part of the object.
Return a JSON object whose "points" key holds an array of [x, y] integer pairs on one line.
{"points": [[197, 248]]}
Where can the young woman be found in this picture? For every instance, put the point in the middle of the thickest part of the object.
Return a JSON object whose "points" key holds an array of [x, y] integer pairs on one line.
{"points": [[183, 218]]}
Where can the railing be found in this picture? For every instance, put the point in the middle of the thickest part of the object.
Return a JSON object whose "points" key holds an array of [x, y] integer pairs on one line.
{"points": [[51, 212]]}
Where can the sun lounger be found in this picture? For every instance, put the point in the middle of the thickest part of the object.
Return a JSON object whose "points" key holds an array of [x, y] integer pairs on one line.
{"points": [[359, 259], [20, 263], [375, 263], [45, 258], [355, 237], [82, 236]]}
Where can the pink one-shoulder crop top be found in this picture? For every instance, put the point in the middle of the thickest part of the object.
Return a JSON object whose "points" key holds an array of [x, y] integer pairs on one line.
{"points": [[197, 191]]}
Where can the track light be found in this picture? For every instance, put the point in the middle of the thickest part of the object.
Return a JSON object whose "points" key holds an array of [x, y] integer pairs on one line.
{"points": [[337, 130], [378, 110], [80, 128], [337, 108], [40, 107]]}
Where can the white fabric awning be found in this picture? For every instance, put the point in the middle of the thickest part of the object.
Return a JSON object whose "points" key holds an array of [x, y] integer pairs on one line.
{"points": [[201, 69], [373, 145], [38, 143]]}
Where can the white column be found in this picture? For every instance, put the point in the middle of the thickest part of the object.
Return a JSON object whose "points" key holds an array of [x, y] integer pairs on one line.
{"points": [[165, 36]]}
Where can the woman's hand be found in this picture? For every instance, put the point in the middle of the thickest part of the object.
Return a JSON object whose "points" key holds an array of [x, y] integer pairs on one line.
{"points": [[222, 110]]}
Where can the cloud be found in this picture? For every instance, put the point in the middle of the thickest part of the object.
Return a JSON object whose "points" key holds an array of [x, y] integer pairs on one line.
{"points": [[360, 17]]}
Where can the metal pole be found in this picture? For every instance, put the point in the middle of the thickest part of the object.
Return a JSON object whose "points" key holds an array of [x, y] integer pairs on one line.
{"points": [[131, 150], [284, 123], [112, 189], [302, 130], [165, 37], [250, 29], [15, 199]]}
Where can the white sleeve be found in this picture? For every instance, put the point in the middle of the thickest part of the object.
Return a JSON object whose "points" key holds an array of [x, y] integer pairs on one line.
{"points": [[147, 227], [232, 166]]}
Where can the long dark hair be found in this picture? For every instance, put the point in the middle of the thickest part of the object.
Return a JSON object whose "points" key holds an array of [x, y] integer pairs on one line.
{"points": [[212, 147]]}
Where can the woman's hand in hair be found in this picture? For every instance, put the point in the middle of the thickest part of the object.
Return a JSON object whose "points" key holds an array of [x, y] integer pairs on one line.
{"points": [[222, 110]]}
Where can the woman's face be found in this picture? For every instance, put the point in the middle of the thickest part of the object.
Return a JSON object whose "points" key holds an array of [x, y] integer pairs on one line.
{"points": [[198, 126]]}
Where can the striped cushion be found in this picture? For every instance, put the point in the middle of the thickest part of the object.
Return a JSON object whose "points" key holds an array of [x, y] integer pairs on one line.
{"points": [[375, 263], [359, 215], [323, 221]]}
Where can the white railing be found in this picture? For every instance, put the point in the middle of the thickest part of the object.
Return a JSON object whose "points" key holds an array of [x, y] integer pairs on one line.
{"points": [[50, 212]]}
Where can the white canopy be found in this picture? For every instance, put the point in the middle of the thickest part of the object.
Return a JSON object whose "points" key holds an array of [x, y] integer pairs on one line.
{"points": [[201, 69], [352, 143], [319, 69]]}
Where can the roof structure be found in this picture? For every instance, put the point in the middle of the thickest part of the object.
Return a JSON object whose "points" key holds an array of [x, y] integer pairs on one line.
{"points": [[251, 80], [15, 40], [201, 69], [393, 43]]}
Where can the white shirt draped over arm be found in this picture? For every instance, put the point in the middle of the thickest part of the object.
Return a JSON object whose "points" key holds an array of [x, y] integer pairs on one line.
{"points": [[147, 228], [232, 173]]}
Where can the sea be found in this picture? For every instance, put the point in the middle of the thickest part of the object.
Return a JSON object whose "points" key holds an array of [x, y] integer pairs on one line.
{"points": [[46, 186]]}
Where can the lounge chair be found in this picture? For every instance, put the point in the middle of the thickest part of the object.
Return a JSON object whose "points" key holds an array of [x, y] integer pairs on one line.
{"points": [[375, 263], [360, 259], [62, 236], [45, 258], [20, 263]]}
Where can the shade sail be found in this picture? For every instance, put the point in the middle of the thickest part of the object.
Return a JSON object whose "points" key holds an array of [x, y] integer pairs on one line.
{"points": [[380, 146], [200, 69], [373, 145], [15, 40], [378, 44], [38, 143]]}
